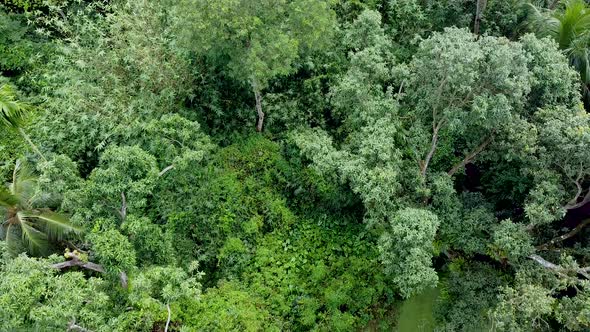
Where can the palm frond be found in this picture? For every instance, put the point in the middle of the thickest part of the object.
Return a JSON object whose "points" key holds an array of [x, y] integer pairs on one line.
{"points": [[23, 182], [55, 225], [34, 239], [542, 21], [12, 239], [12, 112], [7, 199]]}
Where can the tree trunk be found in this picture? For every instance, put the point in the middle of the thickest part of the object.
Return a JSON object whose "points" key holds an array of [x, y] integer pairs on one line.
{"points": [[479, 9], [258, 96]]}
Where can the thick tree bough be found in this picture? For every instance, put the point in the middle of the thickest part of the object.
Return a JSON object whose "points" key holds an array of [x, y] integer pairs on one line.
{"points": [[76, 261], [559, 269]]}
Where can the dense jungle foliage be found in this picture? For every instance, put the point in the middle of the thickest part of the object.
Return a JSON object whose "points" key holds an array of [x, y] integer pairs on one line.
{"points": [[294, 165]]}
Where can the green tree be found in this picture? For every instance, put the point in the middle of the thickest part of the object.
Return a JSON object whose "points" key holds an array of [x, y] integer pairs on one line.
{"points": [[26, 223], [406, 250], [256, 41], [34, 296]]}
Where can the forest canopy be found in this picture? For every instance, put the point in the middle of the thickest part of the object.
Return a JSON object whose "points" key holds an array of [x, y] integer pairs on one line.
{"points": [[294, 165]]}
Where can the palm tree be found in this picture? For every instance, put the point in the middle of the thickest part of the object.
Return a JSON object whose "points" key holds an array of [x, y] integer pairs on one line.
{"points": [[13, 115], [25, 225]]}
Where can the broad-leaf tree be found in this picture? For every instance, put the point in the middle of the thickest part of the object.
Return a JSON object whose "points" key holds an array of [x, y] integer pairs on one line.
{"points": [[255, 41]]}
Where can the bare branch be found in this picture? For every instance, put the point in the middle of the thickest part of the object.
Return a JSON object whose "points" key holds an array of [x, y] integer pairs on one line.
{"points": [[583, 202], [123, 211], [559, 269], [565, 236], [399, 92], [573, 203], [165, 170], [168, 321], [258, 99], [72, 326], [124, 279], [546, 264], [433, 144], [469, 157], [481, 5], [76, 261]]}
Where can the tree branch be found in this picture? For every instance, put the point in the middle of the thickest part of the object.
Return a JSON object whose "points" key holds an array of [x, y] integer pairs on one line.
{"points": [[468, 158], [258, 98], [76, 261], [565, 236], [72, 326], [168, 321], [573, 203], [558, 269], [123, 211], [480, 7], [583, 202], [165, 170], [124, 280], [433, 144]]}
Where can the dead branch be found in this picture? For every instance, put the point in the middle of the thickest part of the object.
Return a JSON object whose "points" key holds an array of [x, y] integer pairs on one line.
{"points": [[76, 261]]}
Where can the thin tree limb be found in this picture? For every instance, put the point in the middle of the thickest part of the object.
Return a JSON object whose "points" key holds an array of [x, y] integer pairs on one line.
{"points": [[545, 263], [565, 236], [469, 157], [399, 92], [433, 144], [86, 265], [124, 280], [480, 7], [573, 203]]}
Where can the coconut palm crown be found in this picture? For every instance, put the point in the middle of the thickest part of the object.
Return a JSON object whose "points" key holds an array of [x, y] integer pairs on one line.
{"points": [[24, 226]]}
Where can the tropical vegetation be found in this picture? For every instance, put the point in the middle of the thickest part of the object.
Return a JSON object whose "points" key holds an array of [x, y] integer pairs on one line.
{"points": [[294, 165]]}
